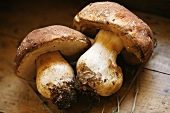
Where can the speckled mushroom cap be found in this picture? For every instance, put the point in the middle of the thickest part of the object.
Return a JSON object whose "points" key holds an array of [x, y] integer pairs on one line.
{"points": [[69, 42], [135, 34]]}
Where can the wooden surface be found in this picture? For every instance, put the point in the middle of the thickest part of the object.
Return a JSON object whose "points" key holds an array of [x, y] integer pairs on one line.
{"points": [[16, 96]]}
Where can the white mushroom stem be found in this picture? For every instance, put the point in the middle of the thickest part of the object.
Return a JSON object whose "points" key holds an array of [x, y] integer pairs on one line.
{"points": [[53, 73], [97, 67]]}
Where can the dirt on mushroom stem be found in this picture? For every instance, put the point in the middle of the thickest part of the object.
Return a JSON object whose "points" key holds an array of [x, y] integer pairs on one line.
{"points": [[55, 79], [63, 96]]}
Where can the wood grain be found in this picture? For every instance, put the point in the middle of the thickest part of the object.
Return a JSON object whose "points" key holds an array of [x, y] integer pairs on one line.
{"points": [[17, 96]]}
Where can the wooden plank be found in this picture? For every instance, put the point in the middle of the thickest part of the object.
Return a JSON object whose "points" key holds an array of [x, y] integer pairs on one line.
{"points": [[16, 96], [154, 95]]}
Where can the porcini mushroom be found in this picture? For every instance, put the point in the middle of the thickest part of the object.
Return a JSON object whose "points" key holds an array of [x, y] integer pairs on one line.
{"points": [[42, 54], [116, 30]]}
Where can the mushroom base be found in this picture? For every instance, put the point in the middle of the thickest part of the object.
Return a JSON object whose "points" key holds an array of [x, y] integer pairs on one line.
{"points": [[85, 89], [63, 96], [55, 79]]}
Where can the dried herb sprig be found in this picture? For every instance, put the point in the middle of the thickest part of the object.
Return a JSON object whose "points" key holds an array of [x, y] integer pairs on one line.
{"points": [[127, 91]]}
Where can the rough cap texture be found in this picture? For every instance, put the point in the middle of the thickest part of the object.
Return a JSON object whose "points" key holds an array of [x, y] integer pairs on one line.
{"points": [[135, 34], [52, 38]]}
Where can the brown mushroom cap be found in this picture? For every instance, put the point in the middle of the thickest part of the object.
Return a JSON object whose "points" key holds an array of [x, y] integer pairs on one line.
{"points": [[135, 34], [69, 42]]}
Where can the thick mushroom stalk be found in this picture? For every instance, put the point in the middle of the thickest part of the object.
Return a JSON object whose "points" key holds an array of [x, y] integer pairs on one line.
{"points": [[97, 67], [54, 78]]}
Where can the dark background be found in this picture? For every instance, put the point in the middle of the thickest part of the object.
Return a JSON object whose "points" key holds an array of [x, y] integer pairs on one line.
{"points": [[39, 13]]}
